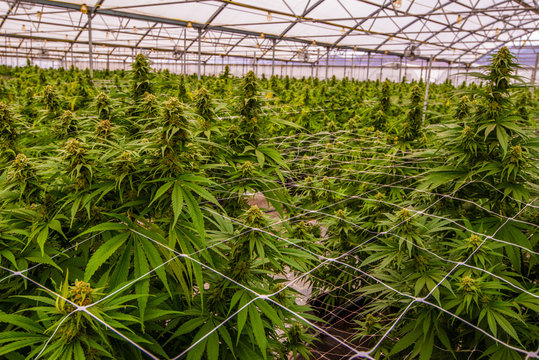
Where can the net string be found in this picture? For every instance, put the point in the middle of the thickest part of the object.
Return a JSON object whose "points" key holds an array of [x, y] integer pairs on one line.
{"points": [[438, 216], [192, 259], [414, 299], [353, 148], [314, 180], [94, 303], [424, 300], [140, 278], [155, 269], [359, 197], [77, 308], [52, 257], [263, 296], [420, 247], [339, 178]]}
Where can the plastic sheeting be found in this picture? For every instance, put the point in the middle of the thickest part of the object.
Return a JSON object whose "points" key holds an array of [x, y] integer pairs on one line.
{"points": [[461, 31]]}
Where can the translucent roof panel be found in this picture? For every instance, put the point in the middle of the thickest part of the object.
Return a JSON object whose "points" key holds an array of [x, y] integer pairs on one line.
{"points": [[455, 31]]}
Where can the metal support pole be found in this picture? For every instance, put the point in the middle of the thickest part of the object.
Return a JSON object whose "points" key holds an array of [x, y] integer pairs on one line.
{"points": [[368, 65], [184, 65], [427, 90], [400, 69], [405, 67], [289, 68], [381, 59], [344, 70], [317, 62], [108, 61], [31, 46], [90, 47], [199, 50], [352, 67], [327, 62], [254, 62], [534, 71], [6, 57], [273, 58]]}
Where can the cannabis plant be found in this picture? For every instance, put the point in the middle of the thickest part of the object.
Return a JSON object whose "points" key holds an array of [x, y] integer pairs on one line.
{"points": [[141, 77]]}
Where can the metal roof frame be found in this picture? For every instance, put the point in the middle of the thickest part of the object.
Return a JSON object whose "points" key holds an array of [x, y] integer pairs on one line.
{"points": [[470, 36]]}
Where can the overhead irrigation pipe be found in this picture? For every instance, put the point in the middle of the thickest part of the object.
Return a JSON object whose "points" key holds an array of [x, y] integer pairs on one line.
{"points": [[427, 89]]}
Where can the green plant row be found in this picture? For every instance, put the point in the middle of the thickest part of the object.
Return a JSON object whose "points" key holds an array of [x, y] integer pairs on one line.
{"points": [[126, 215]]}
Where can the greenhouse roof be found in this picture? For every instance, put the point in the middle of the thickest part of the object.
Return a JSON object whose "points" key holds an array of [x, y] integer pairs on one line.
{"points": [[459, 31]]}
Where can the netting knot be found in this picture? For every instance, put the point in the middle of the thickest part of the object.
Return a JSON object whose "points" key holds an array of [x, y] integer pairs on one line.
{"points": [[360, 355]]}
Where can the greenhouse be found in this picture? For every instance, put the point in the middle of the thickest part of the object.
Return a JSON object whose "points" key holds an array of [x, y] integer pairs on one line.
{"points": [[284, 179]]}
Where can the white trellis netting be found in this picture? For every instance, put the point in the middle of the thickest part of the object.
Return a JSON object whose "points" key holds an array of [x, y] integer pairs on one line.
{"points": [[302, 151]]}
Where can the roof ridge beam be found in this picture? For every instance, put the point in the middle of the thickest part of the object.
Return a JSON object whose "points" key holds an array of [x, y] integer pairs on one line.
{"points": [[184, 23]]}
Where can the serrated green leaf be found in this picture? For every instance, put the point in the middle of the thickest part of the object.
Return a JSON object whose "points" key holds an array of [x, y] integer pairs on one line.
{"points": [[212, 347], [155, 261], [195, 213], [503, 138], [177, 201], [42, 238], [258, 328], [142, 287], [260, 157], [105, 227], [163, 189], [102, 254]]}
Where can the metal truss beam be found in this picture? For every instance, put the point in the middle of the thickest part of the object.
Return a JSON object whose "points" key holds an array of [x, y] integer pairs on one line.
{"points": [[499, 46], [183, 23], [292, 18], [116, 46], [85, 26], [414, 21], [524, 4], [208, 23], [11, 7], [475, 32], [291, 25]]}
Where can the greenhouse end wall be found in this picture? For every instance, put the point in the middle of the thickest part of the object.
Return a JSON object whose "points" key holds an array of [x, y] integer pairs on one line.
{"points": [[439, 74]]}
